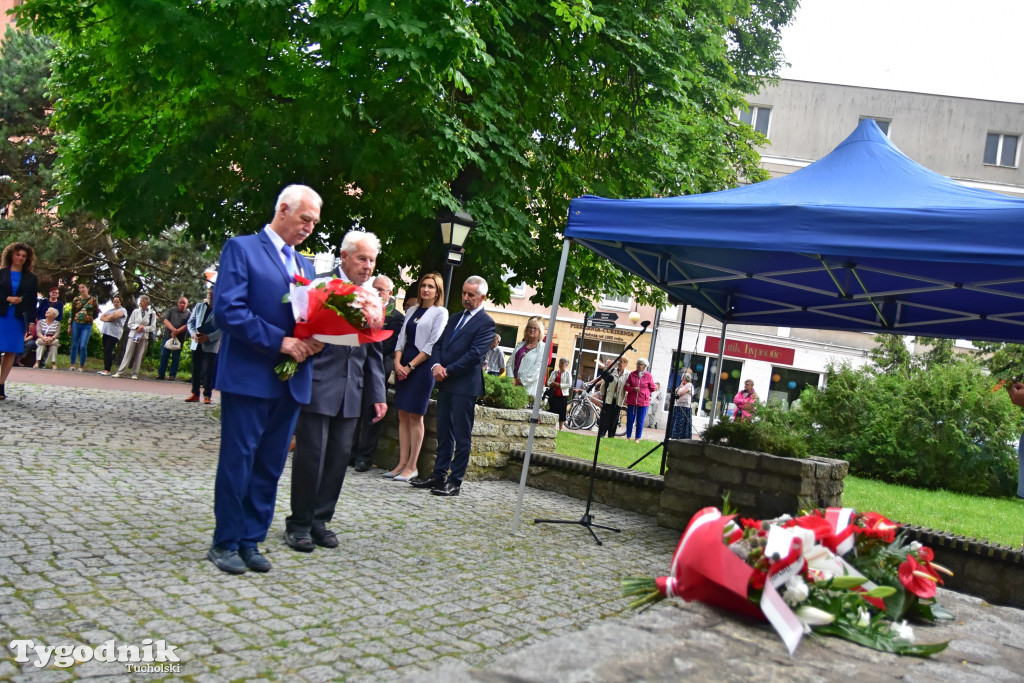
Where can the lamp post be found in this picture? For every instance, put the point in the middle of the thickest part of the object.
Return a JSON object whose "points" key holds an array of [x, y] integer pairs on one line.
{"points": [[455, 228]]}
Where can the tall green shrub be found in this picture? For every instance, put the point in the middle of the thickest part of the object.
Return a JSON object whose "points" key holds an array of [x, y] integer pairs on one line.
{"points": [[938, 428]]}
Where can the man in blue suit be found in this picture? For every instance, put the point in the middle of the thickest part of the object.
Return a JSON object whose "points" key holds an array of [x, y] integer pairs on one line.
{"points": [[258, 409], [343, 377], [457, 366]]}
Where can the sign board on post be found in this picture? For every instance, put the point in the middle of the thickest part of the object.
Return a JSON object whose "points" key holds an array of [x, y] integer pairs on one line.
{"points": [[603, 324], [604, 316], [779, 355]]}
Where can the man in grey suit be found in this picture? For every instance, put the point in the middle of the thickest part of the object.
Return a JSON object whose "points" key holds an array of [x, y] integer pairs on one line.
{"points": [[325, 432]]}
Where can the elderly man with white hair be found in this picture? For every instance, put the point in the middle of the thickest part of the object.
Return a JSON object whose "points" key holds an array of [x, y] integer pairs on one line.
{"points": [[343, 378]]}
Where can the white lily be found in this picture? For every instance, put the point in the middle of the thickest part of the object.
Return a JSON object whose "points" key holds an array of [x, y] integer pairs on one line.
{"points": [[812, 616]]}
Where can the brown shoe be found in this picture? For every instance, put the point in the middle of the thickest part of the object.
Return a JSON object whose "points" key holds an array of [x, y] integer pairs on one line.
{"points": [[193, 398], [207, 400]]}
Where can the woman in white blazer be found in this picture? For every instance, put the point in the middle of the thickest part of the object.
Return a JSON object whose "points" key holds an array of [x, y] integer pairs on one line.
{"points": [[423, 326], [525, 364]]}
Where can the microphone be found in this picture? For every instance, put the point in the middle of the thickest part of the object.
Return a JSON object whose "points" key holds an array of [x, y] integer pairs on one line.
{"points": [[645, 324]]}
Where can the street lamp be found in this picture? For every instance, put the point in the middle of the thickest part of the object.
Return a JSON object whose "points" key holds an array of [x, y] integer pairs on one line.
{"points": [[455, 228]]}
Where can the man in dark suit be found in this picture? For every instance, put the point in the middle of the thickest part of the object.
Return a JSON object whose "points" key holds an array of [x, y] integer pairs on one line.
{"points": [[343, 376], [457, 366], [258, 409], [368, 427]]}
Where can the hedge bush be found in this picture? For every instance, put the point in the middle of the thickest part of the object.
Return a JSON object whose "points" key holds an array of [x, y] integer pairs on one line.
{"points": [[943, 427]]}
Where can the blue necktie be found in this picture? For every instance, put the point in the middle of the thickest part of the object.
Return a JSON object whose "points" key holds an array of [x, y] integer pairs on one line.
{"points": [[289, 262], [462, 321]]}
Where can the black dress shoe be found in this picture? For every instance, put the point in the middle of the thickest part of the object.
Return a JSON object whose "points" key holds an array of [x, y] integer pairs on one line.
{"points": [[304, 544], [363, 466], [325, 538], [449, 488], [226, 560], [431, 482], [254, 560]]}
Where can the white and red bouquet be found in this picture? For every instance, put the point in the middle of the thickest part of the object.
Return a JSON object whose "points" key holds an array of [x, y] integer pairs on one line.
{"points": [[334, 312], [832, 572]]}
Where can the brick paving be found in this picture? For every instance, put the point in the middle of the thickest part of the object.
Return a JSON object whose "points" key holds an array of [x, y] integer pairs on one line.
{"points": [[106, 497]]}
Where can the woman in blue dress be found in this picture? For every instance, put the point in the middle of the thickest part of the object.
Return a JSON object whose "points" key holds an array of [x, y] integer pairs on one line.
{"points": [[423, 326], [18, 287]]}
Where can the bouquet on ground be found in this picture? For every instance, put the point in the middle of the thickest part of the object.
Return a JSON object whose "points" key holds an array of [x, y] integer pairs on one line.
{"points": [[334, 312], [832, 572]]}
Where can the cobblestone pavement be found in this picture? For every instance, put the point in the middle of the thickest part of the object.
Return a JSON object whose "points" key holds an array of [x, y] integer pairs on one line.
{"points": [[106, 510], [106, 505]]}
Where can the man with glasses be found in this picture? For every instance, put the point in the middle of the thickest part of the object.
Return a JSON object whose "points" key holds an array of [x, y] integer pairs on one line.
{"points": [[368, 431]]}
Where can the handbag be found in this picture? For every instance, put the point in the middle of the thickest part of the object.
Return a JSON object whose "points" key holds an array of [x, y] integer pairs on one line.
{"points": [[172, 344]]}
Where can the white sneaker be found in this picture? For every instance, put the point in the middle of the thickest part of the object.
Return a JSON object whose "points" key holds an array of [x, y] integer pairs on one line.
{"points": [[117, 375], [104, 373], [135, 376]]}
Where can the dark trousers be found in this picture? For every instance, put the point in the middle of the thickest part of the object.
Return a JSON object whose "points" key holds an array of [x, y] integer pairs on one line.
{"points": [[609, 420], [323, 446], [109, 348], [455, 416], [254, 438], [204, 370], [165, 355]]}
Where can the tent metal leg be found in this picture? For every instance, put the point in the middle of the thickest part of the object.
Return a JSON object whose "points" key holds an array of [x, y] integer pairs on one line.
{"points": [[535, 414], [718, 376]]}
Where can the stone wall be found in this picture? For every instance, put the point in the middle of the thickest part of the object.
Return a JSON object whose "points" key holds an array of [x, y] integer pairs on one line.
{"points": [[618, 487], [496, 433], [759, 485]]}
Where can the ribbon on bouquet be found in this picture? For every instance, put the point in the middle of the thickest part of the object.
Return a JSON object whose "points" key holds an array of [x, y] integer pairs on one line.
{"points": [[787, 547]]}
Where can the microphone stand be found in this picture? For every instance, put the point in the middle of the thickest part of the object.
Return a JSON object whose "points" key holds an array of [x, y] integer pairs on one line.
{"points": [[587, 520]]}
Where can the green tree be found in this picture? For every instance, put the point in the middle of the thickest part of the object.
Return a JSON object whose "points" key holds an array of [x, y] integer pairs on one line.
{"points": [[395, 111], [75, 246], [891, 355], [1004, 361]]}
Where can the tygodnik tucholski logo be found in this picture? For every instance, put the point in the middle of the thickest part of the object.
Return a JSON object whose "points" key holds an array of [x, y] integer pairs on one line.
{"points": [[151, 656]]}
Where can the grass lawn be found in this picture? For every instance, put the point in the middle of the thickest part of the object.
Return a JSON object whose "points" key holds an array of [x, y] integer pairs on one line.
{"points": [[998, 520]]}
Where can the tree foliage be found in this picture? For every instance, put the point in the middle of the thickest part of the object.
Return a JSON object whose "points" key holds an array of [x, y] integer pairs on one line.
{"points": [[395, 111], [75, 246]]}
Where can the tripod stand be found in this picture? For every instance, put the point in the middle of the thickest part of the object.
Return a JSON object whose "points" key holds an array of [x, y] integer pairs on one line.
{"points": [[587, 520]]}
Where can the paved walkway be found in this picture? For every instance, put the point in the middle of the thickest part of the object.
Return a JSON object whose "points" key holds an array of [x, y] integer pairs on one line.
{"points": [[106, 510]]}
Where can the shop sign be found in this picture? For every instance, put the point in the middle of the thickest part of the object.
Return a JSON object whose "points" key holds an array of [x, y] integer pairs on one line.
{"points": [[741, 349]]}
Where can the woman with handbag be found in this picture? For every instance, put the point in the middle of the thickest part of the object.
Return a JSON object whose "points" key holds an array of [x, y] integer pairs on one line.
{"points": [[18, 287], [112, 329], [526, 363], [141, 324]]}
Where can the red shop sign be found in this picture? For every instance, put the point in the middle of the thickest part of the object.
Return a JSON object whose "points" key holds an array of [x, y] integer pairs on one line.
{"points": [[741, 349]]}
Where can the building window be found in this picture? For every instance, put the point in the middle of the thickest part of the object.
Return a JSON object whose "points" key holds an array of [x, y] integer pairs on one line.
{"points": [[787, 384], [1001, 149], [883, 124], [509, 335], [758, 118], [518, 290], [615, 302]]}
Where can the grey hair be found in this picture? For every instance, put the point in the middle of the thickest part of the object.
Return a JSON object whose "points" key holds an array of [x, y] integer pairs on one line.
{"points": [[144, 297], [354, 237], [563, 360], [293, 194], [51, 310], [641, 361], [387, 282], [480, 282]]}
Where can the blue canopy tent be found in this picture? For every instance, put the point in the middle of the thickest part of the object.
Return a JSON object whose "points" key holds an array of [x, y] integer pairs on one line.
{"points": [[862, 239]]}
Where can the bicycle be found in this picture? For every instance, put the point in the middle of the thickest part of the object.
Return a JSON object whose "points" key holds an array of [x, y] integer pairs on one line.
{"points": [[581, 413]]}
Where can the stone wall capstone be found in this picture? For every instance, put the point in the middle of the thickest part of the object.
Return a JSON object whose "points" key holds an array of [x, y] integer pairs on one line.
{"points": [[700, 474]]}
